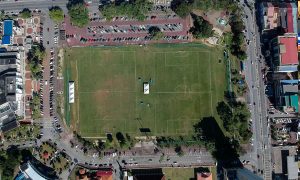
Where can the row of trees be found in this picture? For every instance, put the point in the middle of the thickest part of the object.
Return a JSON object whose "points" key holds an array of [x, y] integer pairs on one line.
{"points": [[35, 60], [35, 104], [236, 39], [184, 7], [235, 116], [207, 134], [133, 9], [239, 82], [213, 4]]}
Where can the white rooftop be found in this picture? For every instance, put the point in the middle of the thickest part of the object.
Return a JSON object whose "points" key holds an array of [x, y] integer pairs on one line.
{"points": [[146, 88]]}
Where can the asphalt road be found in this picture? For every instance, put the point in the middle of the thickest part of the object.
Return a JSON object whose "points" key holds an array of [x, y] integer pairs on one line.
{"points": [[261, 153], [11, 6]]}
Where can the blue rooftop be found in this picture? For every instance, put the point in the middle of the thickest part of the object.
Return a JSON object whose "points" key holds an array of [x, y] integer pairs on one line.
{"points": [[8, 27], [6, 39]]}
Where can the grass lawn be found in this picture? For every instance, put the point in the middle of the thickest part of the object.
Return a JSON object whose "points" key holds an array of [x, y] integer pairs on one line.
{"points": [[179, 173], [186, 83], [185, 173]]}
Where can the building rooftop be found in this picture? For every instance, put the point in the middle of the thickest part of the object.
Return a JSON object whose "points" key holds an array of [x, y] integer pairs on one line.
{"points": [[29, 171], [292, 167], [105, 174], [279, 14], [288, 50], [290, 88], [280, 154], [7, 27]]}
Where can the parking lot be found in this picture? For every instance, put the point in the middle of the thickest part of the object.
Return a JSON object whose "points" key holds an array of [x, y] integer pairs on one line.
{"points": [[122, 30]]}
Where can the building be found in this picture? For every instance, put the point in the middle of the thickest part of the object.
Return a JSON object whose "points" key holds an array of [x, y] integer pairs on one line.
{"points": [[71, 92], [278, 15], [8, 119], [286, 95], [105, 174], [11, 90], [7, 32], [285, 53], [280, 156], [292, 164], [28, 171]]}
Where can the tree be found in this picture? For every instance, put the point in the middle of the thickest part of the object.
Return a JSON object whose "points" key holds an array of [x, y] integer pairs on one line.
{"points": [[109, 137], [214, 4], [201, 28], [56, 14], [155, 33], [181, 8], [237, 40], [225, 113], [25, 13], [2, 15], [121, 139], [35, 59], [136, 9], [79, 15], [179, 150]]}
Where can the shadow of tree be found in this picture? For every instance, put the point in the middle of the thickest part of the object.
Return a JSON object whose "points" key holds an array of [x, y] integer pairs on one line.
{"points": [[225, 149]]}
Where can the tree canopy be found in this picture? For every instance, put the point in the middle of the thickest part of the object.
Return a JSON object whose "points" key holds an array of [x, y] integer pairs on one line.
{"points": [[237, 41], [181, 8], [35, 59], [35, 105], [214, 4], [79, 14], [56, 14], [235, 118], [155, 33], [201, 28], [136, 9], [25, 13]]}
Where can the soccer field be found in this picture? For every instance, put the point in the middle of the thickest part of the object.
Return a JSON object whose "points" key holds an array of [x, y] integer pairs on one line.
{"points": [[185, 83]]}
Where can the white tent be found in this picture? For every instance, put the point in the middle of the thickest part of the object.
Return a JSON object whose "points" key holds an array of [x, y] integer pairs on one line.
{"points": [[146, 88]]}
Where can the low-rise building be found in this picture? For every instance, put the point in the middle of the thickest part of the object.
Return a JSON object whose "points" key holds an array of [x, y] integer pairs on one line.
{"points": [[280, 156], [293, 170], [278, 15], [286, 95], [284, 131], [285, 53]]}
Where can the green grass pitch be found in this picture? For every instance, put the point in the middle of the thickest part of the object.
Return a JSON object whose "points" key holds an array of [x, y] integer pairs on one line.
{"points": [[186, 82]]}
